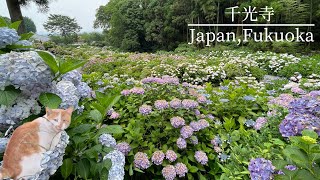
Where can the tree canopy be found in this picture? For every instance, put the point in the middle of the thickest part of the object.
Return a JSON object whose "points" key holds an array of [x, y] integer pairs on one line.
{"points": [[62, 25], [153, 24]]}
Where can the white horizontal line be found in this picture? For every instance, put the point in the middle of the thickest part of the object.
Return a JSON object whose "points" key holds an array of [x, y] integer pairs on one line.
{"points": [[198, 25]]}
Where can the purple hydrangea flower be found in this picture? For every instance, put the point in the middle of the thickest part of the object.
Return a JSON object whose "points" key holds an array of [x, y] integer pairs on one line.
{"points": [[250, 123], [171, 155], [186, 132], [197, 112], [203, 123], [195, 126], [123, 147], [125, 92], [181, 169], [194, 140], [261, 169], [114, 115], [137, 90], [297, 90], [170, 80], [294, 124], [157, 157], [181, 143], [224, 100], [314, 93], [291, 167], [201, 157], [189, 104], [202, 99], [260, 122], [107, 140], [169, 172], [141, 161], [210, 116], [177, 122], [175, 103], [283, 100], [161, 104], [145, 109]]}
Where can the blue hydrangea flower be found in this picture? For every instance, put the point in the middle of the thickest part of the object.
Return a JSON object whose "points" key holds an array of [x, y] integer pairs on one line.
{"points": [[8, 36], [261, 169]]}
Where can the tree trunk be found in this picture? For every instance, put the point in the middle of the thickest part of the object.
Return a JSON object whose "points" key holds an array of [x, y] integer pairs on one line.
{"points": [[15, 14]]}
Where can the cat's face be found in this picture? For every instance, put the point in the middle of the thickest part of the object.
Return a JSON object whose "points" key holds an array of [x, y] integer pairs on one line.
{"points": [[60, 118]]}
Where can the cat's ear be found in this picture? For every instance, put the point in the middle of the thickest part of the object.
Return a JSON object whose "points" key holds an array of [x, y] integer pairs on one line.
{"points": [[48, 111], [69, 110]]}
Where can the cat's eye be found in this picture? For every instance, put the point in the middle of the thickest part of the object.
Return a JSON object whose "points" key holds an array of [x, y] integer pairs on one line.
{"points": [[56, 120]]}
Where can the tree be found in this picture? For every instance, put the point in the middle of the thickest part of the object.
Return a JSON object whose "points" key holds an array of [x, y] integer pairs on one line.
{"points": [[29, 25], [63, 25], [15, 10]]}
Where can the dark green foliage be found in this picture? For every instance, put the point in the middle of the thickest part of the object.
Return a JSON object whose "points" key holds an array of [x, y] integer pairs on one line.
{"points": [[29, 25], [152, 25]]}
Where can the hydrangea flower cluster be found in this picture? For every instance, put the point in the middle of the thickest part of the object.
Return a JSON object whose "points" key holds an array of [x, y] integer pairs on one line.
{"points": [[261, 169], [260, 122], [169, 172], [116, 172], [163, 80], [189, 104], [114, 115], [123, 147], [145, 109], [303, 114], [181, 169], [52, 160], [283, 100], [3, 144], [181, 143], [157, 157], [175, 103], [161, 104], [186, 132], [107, 140], [8, 37], [141, 161], [171, 155], [201, 157], [177, 122]]}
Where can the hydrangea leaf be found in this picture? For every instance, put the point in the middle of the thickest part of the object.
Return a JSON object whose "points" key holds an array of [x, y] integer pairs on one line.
{"points": [[111, 129], [310, 133], [82, 129], [26, 36], [96, 115], [3, 22], [9, 95], [66, 168], [15, 25], [50, 100], [49, 60], [70, 64], [83, 168]]}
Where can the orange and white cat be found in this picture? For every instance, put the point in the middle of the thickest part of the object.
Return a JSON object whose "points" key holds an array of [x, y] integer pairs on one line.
{"points": [[29, 141]]}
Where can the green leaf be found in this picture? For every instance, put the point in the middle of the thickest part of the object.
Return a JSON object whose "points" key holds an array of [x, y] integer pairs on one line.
{"points": [[15, 25], [8, 95], [201, 177], [130, 170], [66, 168], [49, 60], [81, 129], [111, 129], [193, 169], [96, 115], [310, 133], [93, 152], [297, 156], [26, 36], [83, 168], [3, 23], [50, 100], [69, 65]]}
